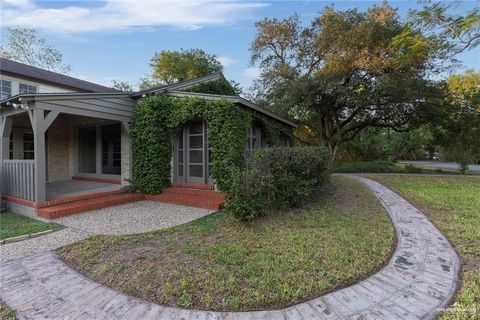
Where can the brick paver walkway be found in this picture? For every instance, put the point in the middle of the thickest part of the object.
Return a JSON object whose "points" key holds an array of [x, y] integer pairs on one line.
{"points": [[421, 277]]}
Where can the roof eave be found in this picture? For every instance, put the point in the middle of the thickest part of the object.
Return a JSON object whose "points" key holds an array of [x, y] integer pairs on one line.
{"points": [[178, 86], [234, 99]]}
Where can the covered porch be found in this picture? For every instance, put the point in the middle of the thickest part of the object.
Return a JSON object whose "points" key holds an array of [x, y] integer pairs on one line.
{"points": [[57, 146]]}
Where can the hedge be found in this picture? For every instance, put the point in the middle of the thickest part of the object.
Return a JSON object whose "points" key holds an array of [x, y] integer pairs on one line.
{"points": [[277, 178]]}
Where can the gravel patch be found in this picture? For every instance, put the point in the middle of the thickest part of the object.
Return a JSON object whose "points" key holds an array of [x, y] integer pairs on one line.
{"points": [[137, 217], [44, 243]]}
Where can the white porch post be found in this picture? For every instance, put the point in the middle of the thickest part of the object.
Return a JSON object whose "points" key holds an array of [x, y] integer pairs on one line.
{"points": [[37, 118], [40, 123]]}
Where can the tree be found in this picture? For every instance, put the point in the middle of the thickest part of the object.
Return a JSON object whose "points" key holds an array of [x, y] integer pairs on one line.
{"points": [[460, 130], [174, 66], [25, 46], [455, 33], [124, 86], [347, 71]]}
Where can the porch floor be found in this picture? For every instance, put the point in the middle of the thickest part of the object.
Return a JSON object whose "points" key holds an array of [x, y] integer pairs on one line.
{"points": [[64, 189]]}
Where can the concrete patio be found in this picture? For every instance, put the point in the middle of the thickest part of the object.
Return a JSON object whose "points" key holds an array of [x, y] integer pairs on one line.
{"points": [[70, 188]]}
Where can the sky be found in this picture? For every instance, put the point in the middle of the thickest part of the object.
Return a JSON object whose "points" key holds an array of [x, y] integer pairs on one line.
{"points": [[116, 39]]}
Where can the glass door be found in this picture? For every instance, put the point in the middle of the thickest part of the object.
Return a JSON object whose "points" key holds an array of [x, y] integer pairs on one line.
{"points": [[195, 156]]}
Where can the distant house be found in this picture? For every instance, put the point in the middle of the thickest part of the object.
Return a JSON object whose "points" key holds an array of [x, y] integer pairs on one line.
{"points": [[65, 144]]}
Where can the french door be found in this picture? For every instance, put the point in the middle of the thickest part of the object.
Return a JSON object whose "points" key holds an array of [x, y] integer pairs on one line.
{"points": [[191, 154]]}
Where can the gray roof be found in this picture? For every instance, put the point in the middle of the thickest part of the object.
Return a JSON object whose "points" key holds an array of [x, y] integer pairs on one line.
{"points": [[175, 90], [179, 85], [44, 76], [234, 99]]}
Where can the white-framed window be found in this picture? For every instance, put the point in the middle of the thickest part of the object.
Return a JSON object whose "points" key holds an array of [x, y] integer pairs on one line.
{"points": [[26, 88], [5, 89], [28, 149]]}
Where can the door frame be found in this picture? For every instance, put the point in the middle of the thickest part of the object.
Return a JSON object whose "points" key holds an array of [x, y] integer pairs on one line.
{"points": [[183, 134]]}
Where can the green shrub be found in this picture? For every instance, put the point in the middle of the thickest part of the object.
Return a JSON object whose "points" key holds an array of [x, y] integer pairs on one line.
{"points": [[379, 166], [276, 178], [410, 168]]}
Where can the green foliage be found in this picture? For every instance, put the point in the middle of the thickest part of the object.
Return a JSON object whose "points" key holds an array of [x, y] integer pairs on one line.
{"points": [[220, 86], [378, 166], [25, 46], [378, 80], [459, 130], [6, 313], [154, 124], [385, 144], [13, 225], [175, 66], [452, 33], [277, 178], [151, 144]]}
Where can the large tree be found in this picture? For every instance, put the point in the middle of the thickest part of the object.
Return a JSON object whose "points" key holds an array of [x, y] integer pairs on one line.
{"points": [[25, 46], [174, 66], [347, 71], [460, 130], [454, 32]]}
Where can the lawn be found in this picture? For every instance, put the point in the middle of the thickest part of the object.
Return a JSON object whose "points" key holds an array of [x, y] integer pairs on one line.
{"points": [[453, 204], [12, 225], [6, 313], [218, 263]]}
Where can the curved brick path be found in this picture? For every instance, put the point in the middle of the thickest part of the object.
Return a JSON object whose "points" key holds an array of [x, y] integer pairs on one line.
{"points": [[421, 276]]}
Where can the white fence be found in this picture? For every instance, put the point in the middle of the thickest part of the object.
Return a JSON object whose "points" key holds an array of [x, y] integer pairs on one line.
{"points": [[18, 178]]}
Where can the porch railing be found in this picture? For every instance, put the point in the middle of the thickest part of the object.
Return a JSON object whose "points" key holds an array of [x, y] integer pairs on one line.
{"points": [[18, 178]]}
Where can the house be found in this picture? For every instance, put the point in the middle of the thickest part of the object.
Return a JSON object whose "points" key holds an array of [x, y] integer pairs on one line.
{"points": [[65, 144]]}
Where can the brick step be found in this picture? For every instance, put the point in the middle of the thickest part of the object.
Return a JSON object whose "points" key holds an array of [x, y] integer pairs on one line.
{"points": [[195, 192], [87, 196], [65, 209], [189, 185], [187, 200]]}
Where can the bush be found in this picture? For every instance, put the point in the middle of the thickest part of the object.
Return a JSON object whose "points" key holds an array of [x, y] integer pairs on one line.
{"points": [[276, 178], [378, 166], [410, 168]]}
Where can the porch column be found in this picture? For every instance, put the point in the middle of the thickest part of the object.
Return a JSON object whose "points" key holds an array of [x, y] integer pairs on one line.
{"points": [[6, 129], [126, 156], [41, 121]]}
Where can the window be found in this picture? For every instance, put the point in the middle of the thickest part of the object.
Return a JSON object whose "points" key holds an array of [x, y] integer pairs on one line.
{"points": [[254, 138], [5, 89], [11, 147], [25, 88], [111, 149], [28, 150], [87, 150]]}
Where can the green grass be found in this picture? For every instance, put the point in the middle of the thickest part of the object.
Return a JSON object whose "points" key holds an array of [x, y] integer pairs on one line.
{"points": [[6, 313], [218, 263], [453, 205], [12, 225]]}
